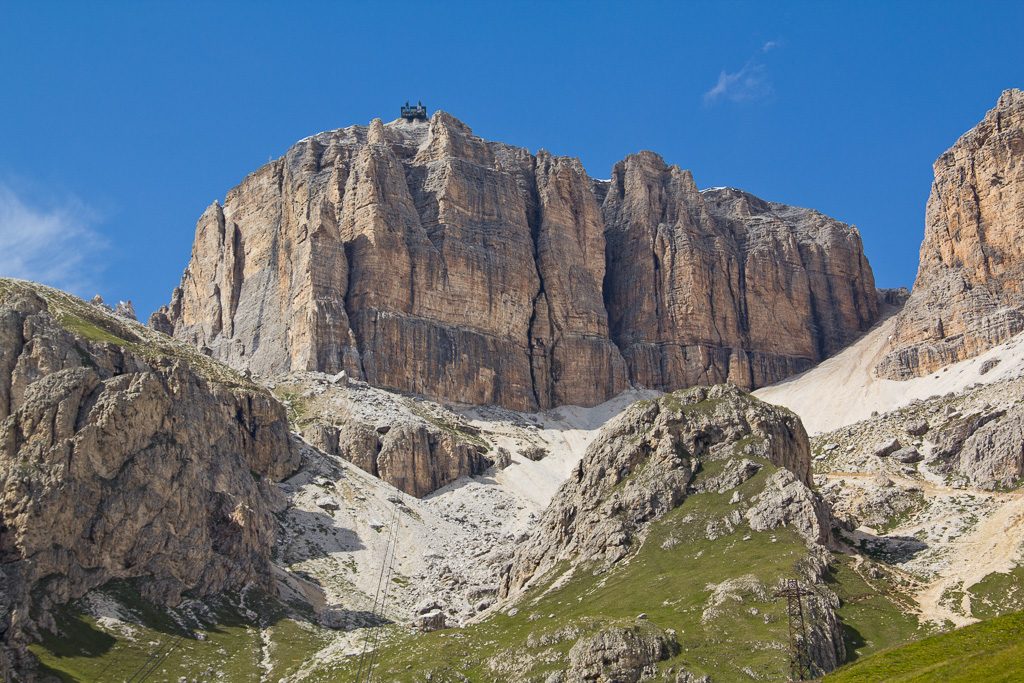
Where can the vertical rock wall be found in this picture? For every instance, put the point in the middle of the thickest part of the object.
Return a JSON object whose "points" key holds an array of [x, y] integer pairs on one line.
{"points": [[422, 258], [969, 292]]}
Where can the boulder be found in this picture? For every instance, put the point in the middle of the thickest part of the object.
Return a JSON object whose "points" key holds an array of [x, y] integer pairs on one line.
{"points": [[433, 620], [887, 448], [620, 654], [918, 427]]}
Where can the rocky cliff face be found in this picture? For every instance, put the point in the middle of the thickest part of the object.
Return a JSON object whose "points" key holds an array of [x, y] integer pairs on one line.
{"points": [[123, 456], [968, 295], [419, 257], [715, 286]]}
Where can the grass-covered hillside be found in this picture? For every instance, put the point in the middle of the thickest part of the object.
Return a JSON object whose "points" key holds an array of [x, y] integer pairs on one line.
{"points": [[714, 594], [114, 634], [991, 651]]}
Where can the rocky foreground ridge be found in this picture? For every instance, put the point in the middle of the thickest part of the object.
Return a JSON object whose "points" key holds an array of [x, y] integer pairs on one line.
{"points": [[643, 466], [125, 456], [419, 257], [969, 292]]}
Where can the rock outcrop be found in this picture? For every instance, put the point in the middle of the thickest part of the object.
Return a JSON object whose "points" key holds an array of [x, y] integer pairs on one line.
{"points": [[413, 457], [969, 291], [416, 446], [124, 455], [984, 448], [643, 464], [620, 654], [419, 257]]}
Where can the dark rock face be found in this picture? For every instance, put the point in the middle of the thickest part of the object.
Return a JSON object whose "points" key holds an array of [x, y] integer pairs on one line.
{"points": [[968, 295], [419, 257], [120, 461]]}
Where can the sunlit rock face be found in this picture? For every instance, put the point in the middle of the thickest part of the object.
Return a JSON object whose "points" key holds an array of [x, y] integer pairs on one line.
{"points": [[969, 292], [419, 257]]}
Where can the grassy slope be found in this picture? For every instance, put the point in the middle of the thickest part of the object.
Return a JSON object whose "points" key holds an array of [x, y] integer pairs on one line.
{"points": [[875, 614], [670, 584], [998, 594], [990, 651], [229, 649]]}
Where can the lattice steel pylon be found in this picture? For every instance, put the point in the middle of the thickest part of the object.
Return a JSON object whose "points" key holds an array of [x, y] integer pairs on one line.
{"points": [[800, 664]]}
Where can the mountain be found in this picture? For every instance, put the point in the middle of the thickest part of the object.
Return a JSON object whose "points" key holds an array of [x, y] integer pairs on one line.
{"points": [[419, 257], [125, 455], [297, 507], [969, 291]]}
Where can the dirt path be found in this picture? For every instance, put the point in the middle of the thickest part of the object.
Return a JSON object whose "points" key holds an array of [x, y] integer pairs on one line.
{"points": [[993, 545]]}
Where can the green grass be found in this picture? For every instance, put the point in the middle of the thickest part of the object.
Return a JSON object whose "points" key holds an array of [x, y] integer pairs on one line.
{"points": [[223, 644], [990, 651], [998, 594], [297, 406], [874, 612]]}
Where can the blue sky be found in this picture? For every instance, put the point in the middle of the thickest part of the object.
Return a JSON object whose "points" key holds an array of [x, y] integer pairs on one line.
{"points": [[120, 122]]}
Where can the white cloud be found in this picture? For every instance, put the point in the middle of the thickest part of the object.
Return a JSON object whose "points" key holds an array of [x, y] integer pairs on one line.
{"points": [[52, 244], [752, 82], [749, 83]]}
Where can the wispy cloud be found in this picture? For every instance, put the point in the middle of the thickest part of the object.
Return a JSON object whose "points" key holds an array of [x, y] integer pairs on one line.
{"points": [[751, 82], [53, 243]]}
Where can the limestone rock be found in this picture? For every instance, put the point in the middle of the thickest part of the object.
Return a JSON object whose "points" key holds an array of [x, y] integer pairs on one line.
{"points": [[917, 427], [787, 501], [715, 286], [620, 654], [418, 460], [502, 458], [125, 309], [986, 448], [434, 620], [122, 457], [908, 455], [969, 291], [415, 256], [418, 257], [887, 448]]}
